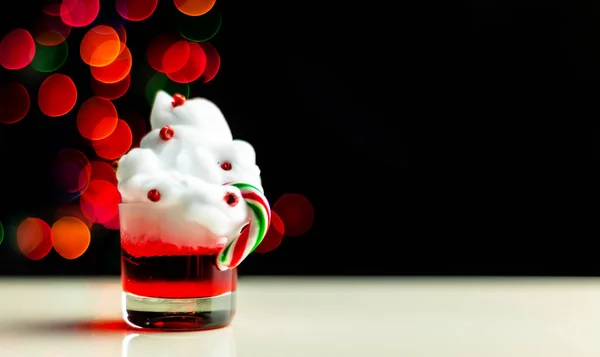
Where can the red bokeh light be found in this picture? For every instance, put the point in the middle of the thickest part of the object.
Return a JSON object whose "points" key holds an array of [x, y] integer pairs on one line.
{"points": [[176, 56], [138, 127], [97, 118], [103, 171], [57, 95], [71, 210], [296, 213], [111, 91], [115, 71], [157, 49], [17, 49], [71, 170], [193, 67], [136, 10], [100, 202], [116, 144], [274, 235], [79, 13], [213, 62], [14, 101], [34, 238], [50, 30]]}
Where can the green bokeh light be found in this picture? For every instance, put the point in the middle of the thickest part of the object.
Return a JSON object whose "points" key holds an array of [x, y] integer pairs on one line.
{"points": [[50, 58], [160, 81], [200, 28], [1, 232]]}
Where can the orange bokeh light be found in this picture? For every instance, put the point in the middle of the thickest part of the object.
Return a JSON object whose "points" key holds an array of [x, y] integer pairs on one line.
{"points": [[100, 46], [194, 7], [14, 101], [34, 238], [116, 144], [115, 71], [57, 95], [97, 118], [17, 49], [71, 237]]}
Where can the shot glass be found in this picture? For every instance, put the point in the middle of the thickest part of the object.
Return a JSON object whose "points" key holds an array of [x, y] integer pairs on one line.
{"points": [[170, 279]]}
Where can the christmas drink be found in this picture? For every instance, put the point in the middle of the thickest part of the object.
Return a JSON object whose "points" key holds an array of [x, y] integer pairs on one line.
{"points": [[192, 209]]}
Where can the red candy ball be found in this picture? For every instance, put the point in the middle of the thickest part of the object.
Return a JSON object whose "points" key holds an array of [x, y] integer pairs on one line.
{"points": [[178, 100], [154, 195], [226, 165], [166, 133], [231, 199]]}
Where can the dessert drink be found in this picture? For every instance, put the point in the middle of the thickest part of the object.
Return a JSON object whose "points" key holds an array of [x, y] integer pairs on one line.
{"points": [[192, 209]]}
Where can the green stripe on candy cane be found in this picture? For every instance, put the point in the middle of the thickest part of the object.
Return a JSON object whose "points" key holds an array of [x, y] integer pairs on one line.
{"points": [[247, 241]]}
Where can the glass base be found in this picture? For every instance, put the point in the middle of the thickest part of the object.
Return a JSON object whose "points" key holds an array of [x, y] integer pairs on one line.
{"points": [[179, 314]]}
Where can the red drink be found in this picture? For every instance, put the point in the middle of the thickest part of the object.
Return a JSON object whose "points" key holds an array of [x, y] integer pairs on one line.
{"points": [[168, 282]]}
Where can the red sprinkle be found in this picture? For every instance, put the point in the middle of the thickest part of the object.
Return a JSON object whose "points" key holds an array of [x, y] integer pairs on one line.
{"points": [[231, 199], [166, 133], [226, 165], [178, 100], [154, 195]]}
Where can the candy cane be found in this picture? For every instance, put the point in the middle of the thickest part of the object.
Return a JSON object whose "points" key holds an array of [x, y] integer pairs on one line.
{"points": [[245, 243]]}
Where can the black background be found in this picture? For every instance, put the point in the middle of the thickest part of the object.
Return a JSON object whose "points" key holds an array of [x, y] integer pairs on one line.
{"points": [[330, 93]]}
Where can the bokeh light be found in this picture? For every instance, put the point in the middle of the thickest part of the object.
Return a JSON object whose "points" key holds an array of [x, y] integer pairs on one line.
{"points": [[202, 28], [52, 9], [193, 68], [116, 144], [73, 210], [160, 81], [79, 13], [158, 47], [138, 127], [50, 30], [213, 62], [116, 71], [111, 91], [17, 49], [103, 171], [296, 213], [97, 118], [194, 7], [57, 95], [100, 202], [71, 170], [274, 235], [1, 232], [100, 46], [50, 58], [176, 56], [71, 237], [34, 238], [14, 101], [136, 10]]}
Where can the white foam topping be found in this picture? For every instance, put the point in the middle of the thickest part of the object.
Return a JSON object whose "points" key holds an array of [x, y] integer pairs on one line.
{"points": [[189, 171]]}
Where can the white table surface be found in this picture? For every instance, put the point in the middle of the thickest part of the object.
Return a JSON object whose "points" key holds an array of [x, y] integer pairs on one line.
{"points": [[346, 317]]}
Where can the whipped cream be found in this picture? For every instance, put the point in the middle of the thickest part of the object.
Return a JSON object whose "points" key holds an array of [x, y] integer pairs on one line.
{"points": [[181, 170]]}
